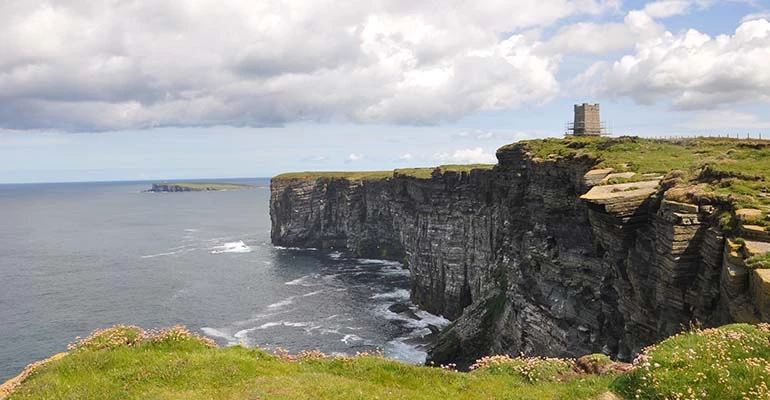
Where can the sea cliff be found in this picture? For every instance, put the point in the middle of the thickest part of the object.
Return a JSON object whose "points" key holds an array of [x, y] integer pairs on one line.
{"points": [[564, 248]]}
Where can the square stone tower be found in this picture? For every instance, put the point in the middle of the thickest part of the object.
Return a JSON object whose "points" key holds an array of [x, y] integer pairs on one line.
{"points": [[587, 120]]}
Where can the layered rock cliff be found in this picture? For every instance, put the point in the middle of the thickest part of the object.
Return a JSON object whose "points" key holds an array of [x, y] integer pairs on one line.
{"points": [[541, 256]]}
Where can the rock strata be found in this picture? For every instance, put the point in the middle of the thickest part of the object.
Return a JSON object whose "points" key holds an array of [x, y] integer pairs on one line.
{"points": [[536, 256]]}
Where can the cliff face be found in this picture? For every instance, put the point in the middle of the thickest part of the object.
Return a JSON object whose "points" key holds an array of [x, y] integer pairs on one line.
{"points": [[531, 257]]}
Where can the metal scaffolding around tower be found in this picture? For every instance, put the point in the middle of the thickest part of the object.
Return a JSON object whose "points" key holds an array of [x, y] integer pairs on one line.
{"points": [[587, 122]]}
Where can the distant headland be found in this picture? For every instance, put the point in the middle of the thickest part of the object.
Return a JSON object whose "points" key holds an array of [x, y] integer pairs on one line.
{"points": [[197, 187]]}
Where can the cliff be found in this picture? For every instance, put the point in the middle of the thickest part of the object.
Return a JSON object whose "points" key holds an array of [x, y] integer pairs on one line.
{"points": [[566, 247]]}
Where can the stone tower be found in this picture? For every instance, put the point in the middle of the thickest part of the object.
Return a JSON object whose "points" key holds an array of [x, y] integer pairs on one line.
{"points": [[587, 120]]}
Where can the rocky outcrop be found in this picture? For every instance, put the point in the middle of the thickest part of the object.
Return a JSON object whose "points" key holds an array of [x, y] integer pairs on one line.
{"points": [[536, 256], [196, 187]]}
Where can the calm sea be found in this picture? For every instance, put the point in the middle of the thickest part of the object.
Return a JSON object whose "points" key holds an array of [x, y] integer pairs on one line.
{"points": [[75, 257]]}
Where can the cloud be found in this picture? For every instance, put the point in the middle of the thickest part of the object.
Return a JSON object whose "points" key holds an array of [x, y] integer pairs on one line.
{"points": [[725, 119], [759, 15], [601, 38], [80, 65], [476, 134], [406, 157], [352, 157], [667, 8], [466, 156], [696, 71]]}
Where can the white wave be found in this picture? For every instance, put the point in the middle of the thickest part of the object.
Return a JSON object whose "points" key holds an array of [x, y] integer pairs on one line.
{"points": [[432, 319], [295, 248], [232, 247], [398, 294], [312, 293], [371, 261], [350, 338], [191, 230], [212, 332], [259, 317], [426, 318], [170, 253], [290, 324], [397, 270], [306, 280], [405, 352], [335, 255], [269, 325], [282, 303]]}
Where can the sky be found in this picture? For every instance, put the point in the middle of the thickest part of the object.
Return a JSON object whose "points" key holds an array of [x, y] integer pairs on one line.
{"points": [[163, 89]]}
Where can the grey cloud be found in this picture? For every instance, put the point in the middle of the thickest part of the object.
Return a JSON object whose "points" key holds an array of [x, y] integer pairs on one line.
{"points": [[80, 65]]}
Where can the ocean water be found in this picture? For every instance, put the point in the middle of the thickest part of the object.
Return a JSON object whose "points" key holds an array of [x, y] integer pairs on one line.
{"points": [[75, 257]]}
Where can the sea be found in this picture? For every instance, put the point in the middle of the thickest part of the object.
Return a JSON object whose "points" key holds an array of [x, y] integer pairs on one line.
{"points": [[75, 257]]}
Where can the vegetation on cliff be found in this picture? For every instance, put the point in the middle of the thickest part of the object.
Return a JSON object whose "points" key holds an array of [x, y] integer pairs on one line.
{"points": [[729, 173], [127, 362], [420, 173]]}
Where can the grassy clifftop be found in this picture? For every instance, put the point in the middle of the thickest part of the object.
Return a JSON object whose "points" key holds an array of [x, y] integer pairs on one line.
{"points": [[732, 174], [125, 362], [421, 173]]}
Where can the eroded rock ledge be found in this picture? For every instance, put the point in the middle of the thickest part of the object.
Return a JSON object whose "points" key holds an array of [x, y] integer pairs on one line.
{"points": [[541, 256]]}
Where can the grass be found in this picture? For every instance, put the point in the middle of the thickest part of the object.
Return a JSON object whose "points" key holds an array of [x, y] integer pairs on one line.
{"points": [[760, 261], [732, 362], [640, 155], [125, 362], [420, 173], [128, 363], [351, 175], [728, 173]]}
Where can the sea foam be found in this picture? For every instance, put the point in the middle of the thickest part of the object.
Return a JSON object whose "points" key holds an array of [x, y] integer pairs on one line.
{"points": [[232, 247]]}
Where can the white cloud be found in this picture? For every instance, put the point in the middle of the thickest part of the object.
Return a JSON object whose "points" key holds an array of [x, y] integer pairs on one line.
{"points": [[696, 71], [759, 15], [355, 157], [667, 8], [466, 156], [84, 65], [600, 38], [725, 119], [406, 157], [476, 134]]}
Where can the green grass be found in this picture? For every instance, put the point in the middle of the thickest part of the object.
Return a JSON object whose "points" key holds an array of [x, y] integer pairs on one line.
{"points": [[731, 362], [127, 363], [420, 173], [728, 173], [760, 261], [351, 175], [744, 157]]}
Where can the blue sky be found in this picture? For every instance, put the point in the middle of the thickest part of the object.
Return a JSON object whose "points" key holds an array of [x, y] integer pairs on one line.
{"points": [[93, 91]]}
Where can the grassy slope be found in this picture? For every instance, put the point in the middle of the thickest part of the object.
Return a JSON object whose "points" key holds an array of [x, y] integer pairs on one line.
{"points": [[731, 362], [185, 367]]}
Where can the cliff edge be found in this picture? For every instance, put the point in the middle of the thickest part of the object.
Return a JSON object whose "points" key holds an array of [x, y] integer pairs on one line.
{"points": [[565, 247]]}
